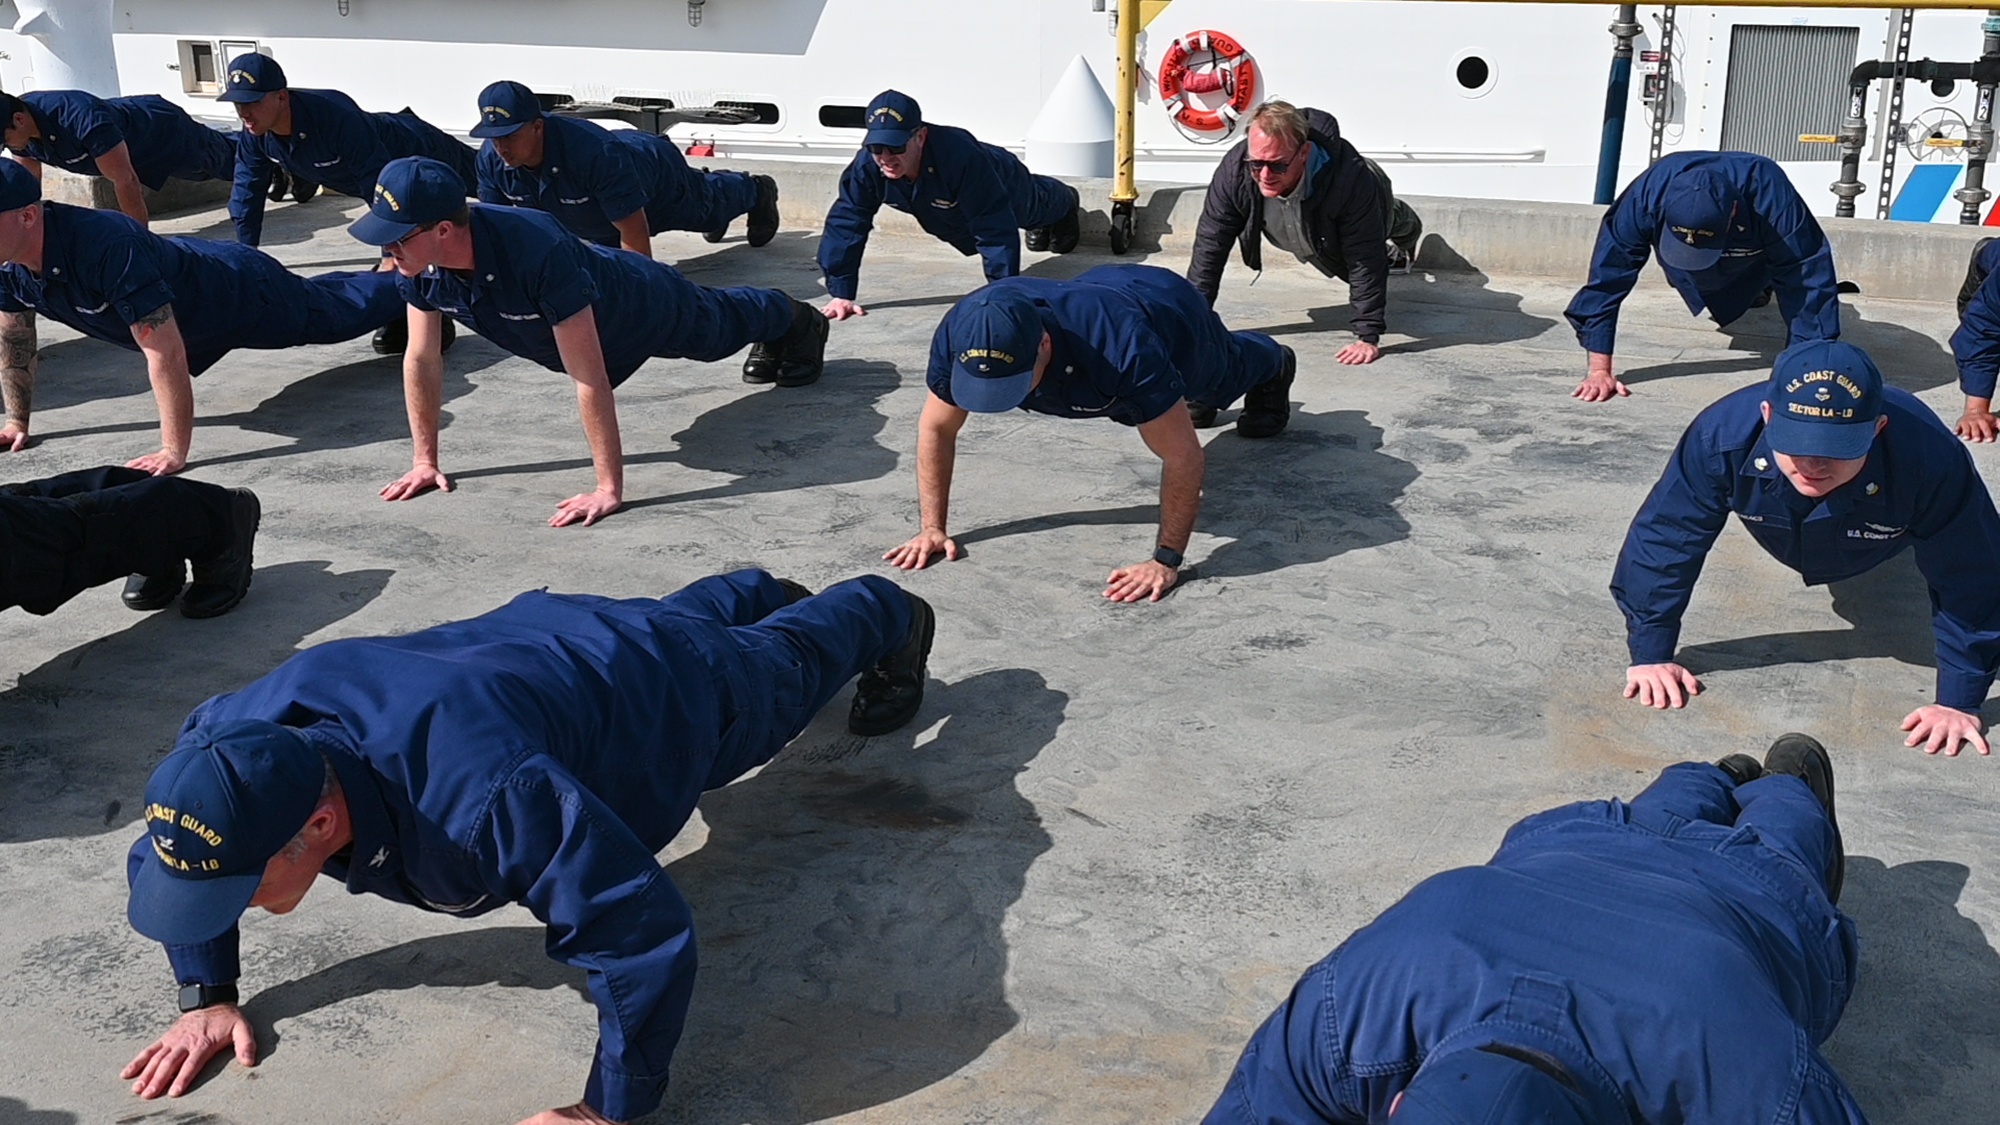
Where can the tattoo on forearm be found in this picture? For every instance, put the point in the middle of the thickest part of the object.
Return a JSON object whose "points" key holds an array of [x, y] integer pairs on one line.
{"points": [[18, 356], [156, 318]]}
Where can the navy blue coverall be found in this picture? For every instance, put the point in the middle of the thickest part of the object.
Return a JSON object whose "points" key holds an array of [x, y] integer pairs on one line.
{"points": [[1774, 243], [529, 274], [975, 196], [543, 753], [101, 272], [162, 140], [1130, 343], [591, 176], [1918, 490], [336, 144], [1677, 955], [63, 535], [1976, 344]]}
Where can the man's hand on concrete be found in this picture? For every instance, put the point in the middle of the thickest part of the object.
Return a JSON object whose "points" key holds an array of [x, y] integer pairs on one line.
{"points": [[165, 463], [1600, 385], [1977, 425], [569, 1115], [1357, 353], [926, 545], [13, 438], [1149, 580], [416, 482], [840, 308], [1941, 729], [171, 1065], [1661, 685], [586, 509]]}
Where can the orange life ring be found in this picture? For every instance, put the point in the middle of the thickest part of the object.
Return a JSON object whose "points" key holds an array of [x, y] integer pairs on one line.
{"points": [[1229, 70]]}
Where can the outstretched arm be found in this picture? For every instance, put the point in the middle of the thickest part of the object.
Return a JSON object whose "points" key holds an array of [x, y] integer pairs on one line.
{"points": [[423, 400], [158, 335], [583, 357], [1171, 437], [18, 360], [116, 166], [937, 452]]}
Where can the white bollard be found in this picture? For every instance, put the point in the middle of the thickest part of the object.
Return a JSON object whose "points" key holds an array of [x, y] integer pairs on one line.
{"points": [[69, 45], [1072, 135]]}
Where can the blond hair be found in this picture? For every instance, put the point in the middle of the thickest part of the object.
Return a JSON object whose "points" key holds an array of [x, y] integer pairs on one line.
{"points": [[1281, 121]]}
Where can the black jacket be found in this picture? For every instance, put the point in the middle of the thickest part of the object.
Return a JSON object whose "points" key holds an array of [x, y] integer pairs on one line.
{"points": [[1347, 212]]}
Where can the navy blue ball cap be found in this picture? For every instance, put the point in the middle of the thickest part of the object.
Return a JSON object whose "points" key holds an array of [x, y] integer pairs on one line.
{"points": [[218, 808], [410, 192], [1825, 397], [1482, 1087], [892, 119], [505, 107], [993, 335], [18, 186], [252, 76], [1694, 219]]}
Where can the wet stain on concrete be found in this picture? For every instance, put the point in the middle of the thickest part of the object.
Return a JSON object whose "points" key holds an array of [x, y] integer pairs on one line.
{"points": [[889, 803]]}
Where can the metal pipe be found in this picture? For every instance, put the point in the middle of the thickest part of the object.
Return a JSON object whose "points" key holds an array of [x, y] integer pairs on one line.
{"points": [[1125, 187], [1853, 135], [1979, 138], [1617, 95]]}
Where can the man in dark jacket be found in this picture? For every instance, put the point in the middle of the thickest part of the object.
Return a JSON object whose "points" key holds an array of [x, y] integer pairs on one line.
{"points": [[1833, 474], [540, 754], [1294, 181], [1731, 232], [975, 196], [1675, 958]]}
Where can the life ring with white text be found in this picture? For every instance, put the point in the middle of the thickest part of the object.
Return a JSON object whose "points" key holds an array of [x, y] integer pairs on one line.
{"points": [[1227, 69]]}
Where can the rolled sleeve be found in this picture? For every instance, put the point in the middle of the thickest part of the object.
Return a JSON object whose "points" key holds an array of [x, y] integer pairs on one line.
{"points": [[611, 911], [560, 283], [131, 280]]}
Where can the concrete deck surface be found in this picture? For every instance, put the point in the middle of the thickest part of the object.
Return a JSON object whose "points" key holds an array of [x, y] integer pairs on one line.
{"points": [[1114, 836]]}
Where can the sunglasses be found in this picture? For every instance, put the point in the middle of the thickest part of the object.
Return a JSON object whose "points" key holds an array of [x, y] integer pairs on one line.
{"points": [[425, 229], [888, 150], [1274, 167]]}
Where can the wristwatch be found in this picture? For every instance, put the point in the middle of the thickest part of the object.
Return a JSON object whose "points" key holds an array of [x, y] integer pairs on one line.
{"points": [[195, 997], [1167, 557]]}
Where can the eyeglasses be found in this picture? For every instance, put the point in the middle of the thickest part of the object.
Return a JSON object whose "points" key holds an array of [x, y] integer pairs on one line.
{"points": [[888, 150], [1274, 167], [420, 230]]}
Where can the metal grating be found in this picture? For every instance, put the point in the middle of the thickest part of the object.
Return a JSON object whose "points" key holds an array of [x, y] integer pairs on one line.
{"points": [[1784, 81]]}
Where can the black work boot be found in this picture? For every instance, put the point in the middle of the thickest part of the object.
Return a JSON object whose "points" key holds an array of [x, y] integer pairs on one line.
{"points": [[1036, 239], [1064, 236], [889, 694], [221, 580], [146, 593], [795, 592], [1741, 768], [281, 185], [1201, 414], [450, 334], [303, 190], [1763, 298], [1803, 757], [391, 338], [1268, 407], [763, 226], [794, 359]]}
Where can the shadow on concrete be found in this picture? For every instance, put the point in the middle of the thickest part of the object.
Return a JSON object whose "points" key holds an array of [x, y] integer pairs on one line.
{"points": [[1323, 488], [288, 224], [848, 906], [1924, 1021], [1909, 359], [84, 730], [773, 440], [16, 1112], [1438, 309], [1888, 607]]}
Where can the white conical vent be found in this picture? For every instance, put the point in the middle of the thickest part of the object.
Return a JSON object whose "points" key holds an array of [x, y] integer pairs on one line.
{"points": [[1072, 136]]}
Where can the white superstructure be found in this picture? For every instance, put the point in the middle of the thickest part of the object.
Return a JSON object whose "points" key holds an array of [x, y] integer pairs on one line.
{"points": [[1464, 99]]}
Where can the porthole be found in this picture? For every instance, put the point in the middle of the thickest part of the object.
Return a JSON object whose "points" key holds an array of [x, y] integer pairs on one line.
{"points": [[1473, 73], [1943, 88]]}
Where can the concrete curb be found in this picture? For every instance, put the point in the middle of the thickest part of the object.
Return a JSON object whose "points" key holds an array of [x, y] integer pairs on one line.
{"points": [[1905, 261]]}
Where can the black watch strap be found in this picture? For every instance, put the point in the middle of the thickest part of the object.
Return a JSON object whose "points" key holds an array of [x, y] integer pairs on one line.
{"points": [[195, 997], [1168, 557]]}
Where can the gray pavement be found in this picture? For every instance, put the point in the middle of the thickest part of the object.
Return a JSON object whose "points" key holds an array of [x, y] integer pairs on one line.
{"points": [[1115, 834]]}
